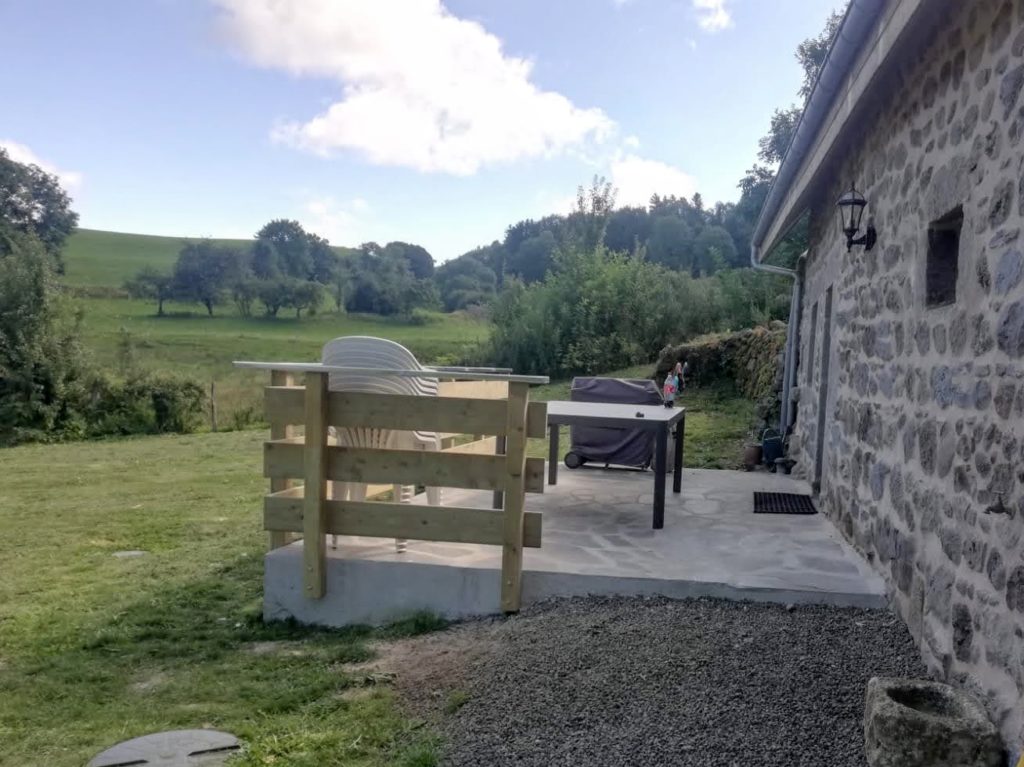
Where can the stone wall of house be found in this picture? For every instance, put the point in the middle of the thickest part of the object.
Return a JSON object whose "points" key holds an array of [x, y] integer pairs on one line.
{"points": [[925, 406]]}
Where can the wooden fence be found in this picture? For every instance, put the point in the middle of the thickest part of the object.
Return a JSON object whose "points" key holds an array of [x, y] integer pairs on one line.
{"points": [[492, 414]]}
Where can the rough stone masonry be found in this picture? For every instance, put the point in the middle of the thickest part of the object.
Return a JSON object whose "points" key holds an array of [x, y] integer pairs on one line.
{"points": [[924, 406]]}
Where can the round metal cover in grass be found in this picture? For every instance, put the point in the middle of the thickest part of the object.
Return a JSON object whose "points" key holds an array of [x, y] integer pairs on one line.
{"points": [[174, 748]]}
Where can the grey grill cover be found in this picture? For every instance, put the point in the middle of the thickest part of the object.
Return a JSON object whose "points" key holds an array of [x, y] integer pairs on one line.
{"points": [[623, 447]]}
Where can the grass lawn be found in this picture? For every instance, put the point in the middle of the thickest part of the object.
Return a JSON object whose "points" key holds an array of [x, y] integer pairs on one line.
{"points": [[192, 344], [95, 648]]}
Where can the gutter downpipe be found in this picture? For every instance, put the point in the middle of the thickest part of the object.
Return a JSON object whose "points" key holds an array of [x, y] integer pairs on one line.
{"points": [[854, 31], [792, 333]]}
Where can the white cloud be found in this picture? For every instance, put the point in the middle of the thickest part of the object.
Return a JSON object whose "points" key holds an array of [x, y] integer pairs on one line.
{"points": [[637, 179], [712, 15], [339, 221], [547, 202], [633, 142], [421, 88], [70, 180]]}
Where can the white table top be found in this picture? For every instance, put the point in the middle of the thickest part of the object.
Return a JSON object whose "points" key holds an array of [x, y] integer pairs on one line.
{"points": [[613, 414], [461, 374]]}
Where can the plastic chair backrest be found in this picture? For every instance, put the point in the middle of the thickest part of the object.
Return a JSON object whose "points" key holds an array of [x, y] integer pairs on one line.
{"points": [[380, 354]]}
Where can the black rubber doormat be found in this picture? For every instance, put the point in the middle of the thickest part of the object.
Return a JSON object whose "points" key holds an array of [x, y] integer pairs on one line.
{"points": [[783, 503]]}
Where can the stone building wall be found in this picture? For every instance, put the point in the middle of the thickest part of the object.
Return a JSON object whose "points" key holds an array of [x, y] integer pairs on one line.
{"points": [[925, 406]]}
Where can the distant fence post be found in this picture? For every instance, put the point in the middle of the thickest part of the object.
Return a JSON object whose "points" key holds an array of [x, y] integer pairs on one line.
{"points": [[213, 405], [279, 538]]}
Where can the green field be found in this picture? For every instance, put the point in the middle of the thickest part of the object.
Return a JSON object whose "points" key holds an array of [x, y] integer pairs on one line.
{"points": [[187, 342], [191, 344], [96, 648], [106, 259]]}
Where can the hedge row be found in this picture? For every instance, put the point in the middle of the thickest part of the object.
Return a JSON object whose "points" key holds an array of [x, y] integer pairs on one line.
{"points": [[750, 359]]}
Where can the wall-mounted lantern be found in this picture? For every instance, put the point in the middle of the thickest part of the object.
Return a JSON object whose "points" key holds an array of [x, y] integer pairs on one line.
{"points": [[851, 207]]}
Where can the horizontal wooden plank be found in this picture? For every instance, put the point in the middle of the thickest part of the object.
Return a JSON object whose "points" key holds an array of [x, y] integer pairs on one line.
{"points": [[448, 414], [402, 467], [473, 389], [372, 491], [485, 446], [454, 524]]}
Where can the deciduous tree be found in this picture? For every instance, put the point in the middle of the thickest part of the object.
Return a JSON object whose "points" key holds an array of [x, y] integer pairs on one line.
{"points": [[153, 284], [32, 201], [204, 272], [41, 365]]}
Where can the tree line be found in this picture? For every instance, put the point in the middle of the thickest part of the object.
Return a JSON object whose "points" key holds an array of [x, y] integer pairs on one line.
{"points": [[604, 288], [287, 267], [680, 234], [599, 309], [49, 389]]}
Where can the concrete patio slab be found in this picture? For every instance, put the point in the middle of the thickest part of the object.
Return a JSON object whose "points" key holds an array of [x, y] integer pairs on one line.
{"points": [[597, 539]]}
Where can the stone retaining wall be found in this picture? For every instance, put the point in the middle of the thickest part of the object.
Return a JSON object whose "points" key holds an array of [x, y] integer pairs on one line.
{"points": [[925, 406]]}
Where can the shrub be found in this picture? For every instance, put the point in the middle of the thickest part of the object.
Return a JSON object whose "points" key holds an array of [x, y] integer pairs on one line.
{"points": [[143, 404], [600, 311], [40, 355]]}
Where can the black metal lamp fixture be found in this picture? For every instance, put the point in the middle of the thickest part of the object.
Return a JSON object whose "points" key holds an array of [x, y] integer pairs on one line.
{"points": [[851, 207]]}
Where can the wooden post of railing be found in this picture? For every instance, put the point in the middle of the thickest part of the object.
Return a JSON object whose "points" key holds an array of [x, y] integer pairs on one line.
{"points": [[314, 510], [515, 497], [277, 431]]}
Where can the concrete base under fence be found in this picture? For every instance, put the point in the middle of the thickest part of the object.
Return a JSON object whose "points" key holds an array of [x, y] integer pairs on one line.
{"points": [[597, 539]]}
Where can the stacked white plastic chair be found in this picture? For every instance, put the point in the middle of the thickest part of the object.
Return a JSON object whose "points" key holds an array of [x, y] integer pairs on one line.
{"points": [[378, 354]]}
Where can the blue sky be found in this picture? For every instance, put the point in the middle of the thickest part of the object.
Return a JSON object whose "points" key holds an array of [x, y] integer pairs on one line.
{"points": [[417, 120]]}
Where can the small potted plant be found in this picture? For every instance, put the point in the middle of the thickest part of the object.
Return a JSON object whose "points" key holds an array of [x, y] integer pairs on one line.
{"points": [[753, 453]]}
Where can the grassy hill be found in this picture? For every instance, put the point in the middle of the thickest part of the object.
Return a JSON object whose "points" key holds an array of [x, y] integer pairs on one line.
{"points": [[122, 333], [187, 342], [106, 259]]}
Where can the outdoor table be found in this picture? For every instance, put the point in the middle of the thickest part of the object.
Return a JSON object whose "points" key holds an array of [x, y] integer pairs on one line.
{"points": [[656, 418]]}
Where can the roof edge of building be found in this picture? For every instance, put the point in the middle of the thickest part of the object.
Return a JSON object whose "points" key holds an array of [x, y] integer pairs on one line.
{"points": [[853, 33]]}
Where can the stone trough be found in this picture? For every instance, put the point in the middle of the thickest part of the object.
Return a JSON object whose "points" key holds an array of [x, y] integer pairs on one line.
{"points": [[912, 723]]}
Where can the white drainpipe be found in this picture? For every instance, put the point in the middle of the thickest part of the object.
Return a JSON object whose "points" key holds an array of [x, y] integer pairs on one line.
{"points": [[792, 334]]}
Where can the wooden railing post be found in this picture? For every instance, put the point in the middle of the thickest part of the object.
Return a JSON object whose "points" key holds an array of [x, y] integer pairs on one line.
{"points": [[515, 497], [314, 528], [277, 431]]}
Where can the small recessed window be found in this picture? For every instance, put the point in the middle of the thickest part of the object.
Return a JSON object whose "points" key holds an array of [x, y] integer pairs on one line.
{"points": [[943, 258]]}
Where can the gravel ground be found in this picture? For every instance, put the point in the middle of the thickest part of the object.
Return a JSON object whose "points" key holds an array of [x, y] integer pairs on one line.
{"points": [[659, 682]]}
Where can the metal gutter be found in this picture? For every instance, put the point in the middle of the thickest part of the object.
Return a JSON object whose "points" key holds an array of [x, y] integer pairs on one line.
{"points": [[850, 38], [792, 333]]}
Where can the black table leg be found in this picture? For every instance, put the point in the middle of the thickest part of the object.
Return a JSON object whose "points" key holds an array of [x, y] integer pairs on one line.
{"points": [[677, 459], [499, 449], [553, 454], [660, 459]]}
